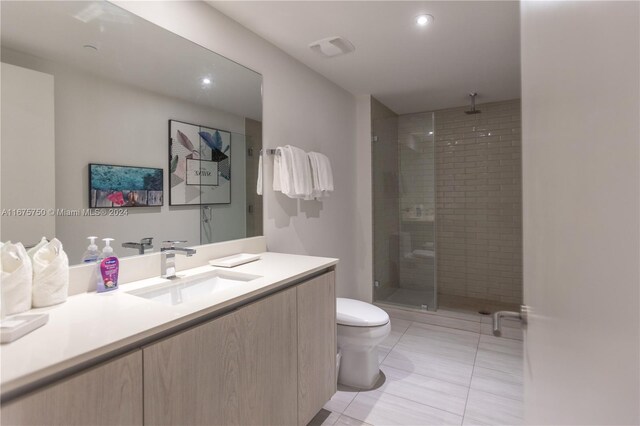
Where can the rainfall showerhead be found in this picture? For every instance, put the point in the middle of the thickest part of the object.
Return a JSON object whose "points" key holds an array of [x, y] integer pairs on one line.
{"points": [[473, 109]]}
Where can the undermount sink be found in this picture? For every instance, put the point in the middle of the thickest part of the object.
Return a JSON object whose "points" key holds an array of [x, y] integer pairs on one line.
{"points": [[193, 288]]}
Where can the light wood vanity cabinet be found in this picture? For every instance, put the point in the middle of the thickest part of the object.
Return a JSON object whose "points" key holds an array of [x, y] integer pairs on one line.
{"points": [[271, 362], [109, 394], [239, 369]]}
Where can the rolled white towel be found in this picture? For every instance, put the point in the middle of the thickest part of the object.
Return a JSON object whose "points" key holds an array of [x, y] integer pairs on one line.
{"points": [[50, 275], [424, 254], [37, 247], [259, 183], [16, 278]]}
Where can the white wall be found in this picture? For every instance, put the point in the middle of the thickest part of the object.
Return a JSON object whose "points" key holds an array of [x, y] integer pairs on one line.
{"points": [[28, 171], [301, 108], [101, 121], [581, 177]]}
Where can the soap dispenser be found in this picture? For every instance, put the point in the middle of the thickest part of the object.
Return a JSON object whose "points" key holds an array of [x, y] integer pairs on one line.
{"points": [[91, 254], [108, 268]]}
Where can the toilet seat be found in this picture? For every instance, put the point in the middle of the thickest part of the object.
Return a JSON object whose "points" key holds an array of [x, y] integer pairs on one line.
{"points": [[355, 313]]}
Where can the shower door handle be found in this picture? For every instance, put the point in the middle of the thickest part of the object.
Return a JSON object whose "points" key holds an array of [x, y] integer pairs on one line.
{"points": [[497, 317]]}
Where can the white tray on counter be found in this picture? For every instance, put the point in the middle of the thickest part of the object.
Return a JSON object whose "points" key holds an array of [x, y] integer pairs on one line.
{"points": [[234, 260]]}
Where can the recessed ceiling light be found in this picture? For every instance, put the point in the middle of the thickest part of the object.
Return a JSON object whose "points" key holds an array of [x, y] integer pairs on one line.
{"points": [[206, 80], [430, 133], [424, 20]]}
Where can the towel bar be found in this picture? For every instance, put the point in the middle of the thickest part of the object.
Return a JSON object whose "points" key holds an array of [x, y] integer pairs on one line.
{"points": [[268, 152]]}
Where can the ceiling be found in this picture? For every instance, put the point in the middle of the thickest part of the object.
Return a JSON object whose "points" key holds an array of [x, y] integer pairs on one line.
{"points": [[470, 46], [131, 51]]}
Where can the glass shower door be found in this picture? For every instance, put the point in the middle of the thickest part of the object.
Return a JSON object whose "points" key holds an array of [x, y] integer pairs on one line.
{"points": [[225, 218], [417, 211], [403, 178]]}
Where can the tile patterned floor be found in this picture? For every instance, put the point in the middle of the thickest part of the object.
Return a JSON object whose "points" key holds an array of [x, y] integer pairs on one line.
{"points": [[436, 376]]}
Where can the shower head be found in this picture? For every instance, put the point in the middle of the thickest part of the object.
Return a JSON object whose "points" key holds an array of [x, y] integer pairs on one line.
{"points": [[473, 109]]}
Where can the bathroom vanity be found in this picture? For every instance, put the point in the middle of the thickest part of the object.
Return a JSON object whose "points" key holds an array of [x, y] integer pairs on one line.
{"points": [[263, 352], [252, 344]]}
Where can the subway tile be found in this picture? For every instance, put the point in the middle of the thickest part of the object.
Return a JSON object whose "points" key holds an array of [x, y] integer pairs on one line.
{"points": [[470, 188]]}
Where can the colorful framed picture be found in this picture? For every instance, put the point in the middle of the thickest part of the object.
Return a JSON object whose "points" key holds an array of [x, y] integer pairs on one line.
{"points": [[199, 165], [125, 186]]}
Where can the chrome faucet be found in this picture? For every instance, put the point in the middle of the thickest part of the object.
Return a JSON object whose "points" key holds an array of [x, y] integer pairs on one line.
{"points": [[145, 243], [168, 257]]}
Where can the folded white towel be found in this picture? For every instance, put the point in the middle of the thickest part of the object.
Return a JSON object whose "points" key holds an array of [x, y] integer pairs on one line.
{"points": [[322, 174], [37, 247], [259, 183], [424, 254], [16, 276], [50, 275]]}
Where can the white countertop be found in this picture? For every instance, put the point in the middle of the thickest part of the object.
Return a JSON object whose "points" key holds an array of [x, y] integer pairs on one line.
{"points": [[91, 325]]}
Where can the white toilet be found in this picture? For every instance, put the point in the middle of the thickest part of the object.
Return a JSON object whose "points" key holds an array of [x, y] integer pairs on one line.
{"points": [[361, 328]]}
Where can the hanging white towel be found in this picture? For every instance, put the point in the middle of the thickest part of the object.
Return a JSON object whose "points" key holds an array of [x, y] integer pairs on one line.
{"points": [[300, 173], [322, 174], [302, 181], [326, 173], [259, 184], [286, 171], [277, 185], [315, 166], [16, 276], [292, 173], [50, 275]]}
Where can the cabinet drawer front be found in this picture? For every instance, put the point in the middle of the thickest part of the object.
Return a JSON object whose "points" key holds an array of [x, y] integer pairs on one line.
{"points": [[192, 378], [270, 366], [238, 369], [316, 345], [109, 394]]}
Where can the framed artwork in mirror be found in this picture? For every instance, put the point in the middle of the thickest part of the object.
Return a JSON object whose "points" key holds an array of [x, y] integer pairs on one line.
{"points": [[125, 186], [199, 164]]}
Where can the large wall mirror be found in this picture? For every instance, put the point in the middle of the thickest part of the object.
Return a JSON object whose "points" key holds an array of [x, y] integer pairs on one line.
{"points": [[115, 127]]}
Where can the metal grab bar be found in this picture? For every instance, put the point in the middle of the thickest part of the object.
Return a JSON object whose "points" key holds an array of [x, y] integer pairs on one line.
{"points": [[497, 317]]}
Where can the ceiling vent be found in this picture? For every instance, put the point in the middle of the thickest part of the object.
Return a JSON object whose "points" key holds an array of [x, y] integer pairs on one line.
{"points": [[332, 46]]}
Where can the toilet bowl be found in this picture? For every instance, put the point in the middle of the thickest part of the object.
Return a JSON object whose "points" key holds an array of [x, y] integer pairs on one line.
{"points": [[361, 328]]}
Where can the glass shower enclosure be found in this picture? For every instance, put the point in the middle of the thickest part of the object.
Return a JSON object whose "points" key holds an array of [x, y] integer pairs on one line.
{"points": [[404, 227], [241, 217]]}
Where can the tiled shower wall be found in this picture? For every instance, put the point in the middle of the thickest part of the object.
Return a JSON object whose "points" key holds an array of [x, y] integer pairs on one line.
{"points": [[479, 202]]}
